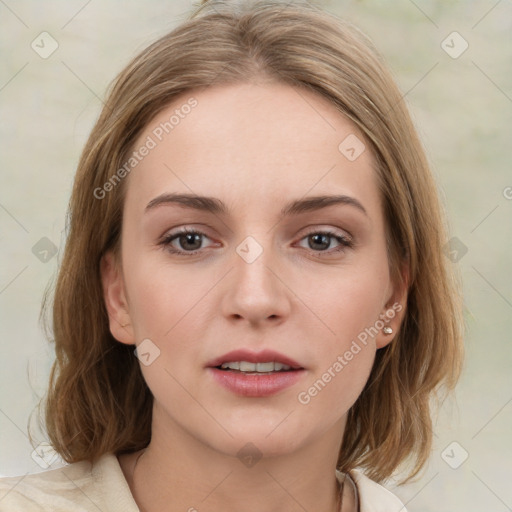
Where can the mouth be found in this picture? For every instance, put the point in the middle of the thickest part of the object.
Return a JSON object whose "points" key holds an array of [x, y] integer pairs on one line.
{"points": [[253, 374], [246, 361]]}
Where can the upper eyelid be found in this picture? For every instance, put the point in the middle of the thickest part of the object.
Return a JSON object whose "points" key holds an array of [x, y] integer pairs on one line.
{"points": [[310, 229]]}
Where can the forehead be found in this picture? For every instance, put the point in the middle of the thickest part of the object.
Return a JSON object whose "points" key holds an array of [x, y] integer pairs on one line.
{"points": [[248, 143]]}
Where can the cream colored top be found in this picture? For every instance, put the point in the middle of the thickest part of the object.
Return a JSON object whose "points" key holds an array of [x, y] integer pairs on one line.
{"points": [[81, 487]]}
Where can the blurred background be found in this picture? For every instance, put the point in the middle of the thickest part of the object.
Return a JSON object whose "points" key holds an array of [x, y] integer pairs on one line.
{"points": [[453, 62]]}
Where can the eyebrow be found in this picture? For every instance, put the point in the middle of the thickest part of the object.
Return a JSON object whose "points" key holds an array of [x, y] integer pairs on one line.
{"points": [[216, 206]]}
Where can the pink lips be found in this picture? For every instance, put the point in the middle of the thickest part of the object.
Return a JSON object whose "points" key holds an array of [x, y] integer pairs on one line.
{"points": [[253, 385]]}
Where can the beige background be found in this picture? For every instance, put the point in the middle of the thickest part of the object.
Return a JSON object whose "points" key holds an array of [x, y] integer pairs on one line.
{"points": [[462, 106]]}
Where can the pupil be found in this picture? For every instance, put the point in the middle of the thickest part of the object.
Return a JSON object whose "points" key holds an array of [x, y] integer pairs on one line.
{"points": [[189, 237], [315, 239]]}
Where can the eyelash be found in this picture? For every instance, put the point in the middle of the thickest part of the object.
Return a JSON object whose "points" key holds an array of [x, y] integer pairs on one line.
{"points": [[345, 242]]}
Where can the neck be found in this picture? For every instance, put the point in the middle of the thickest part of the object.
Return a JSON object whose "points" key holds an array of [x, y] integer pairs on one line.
{"points": [[187, 475]]}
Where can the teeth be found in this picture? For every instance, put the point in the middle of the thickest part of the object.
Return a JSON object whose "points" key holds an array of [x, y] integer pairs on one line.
{"points": [[232, 366], [245, 366], [264, 367]]}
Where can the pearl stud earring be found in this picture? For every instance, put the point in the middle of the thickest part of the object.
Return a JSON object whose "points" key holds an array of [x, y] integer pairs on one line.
{"points": [[387, 330]]}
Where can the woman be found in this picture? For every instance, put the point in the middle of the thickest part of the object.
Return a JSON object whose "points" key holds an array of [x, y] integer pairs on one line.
{"points": [[286, 360]]}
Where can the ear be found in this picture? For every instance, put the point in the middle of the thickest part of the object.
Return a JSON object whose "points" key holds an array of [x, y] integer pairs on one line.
{"points": [[394, 310], [114, 294]]}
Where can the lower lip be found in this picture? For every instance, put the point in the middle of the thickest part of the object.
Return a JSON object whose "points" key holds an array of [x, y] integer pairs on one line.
{"points": [[256, 385]]}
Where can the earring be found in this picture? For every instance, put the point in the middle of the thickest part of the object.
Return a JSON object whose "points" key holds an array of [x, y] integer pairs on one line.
{"points": [[387, 330]]}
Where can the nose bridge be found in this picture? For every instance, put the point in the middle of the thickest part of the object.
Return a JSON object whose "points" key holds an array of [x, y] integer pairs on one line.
{"points": [[255, 291]]}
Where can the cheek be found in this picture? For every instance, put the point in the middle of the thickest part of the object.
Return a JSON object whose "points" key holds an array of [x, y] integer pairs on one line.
{"points": [[335, 388], [347, 304], [349, 307], [345, 351], [168, 306], [163, 298]]}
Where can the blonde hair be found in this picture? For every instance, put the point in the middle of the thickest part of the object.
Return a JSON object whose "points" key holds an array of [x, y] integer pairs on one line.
{"points": [[97, 400]]}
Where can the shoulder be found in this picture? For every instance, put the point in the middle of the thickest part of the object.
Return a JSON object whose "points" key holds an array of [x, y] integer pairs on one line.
{"points": [[80, 486], [373, 497], [55, 489]]}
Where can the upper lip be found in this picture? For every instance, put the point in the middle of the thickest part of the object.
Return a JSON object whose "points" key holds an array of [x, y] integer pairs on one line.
{"points": [[263, 356]]}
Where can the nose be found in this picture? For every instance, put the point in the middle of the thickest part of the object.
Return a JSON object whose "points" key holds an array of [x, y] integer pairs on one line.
{"points": [[256, 291]]}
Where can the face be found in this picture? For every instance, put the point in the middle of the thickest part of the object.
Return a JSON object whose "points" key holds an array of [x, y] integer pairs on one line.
{"points": [[265, 272]]}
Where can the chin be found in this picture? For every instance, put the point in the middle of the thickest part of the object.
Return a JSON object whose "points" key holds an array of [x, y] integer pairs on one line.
{"points": [[266, 435], [257, 446]]}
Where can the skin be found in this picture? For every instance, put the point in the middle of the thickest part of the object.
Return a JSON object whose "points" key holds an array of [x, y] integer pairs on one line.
{"points": [[256, 147]]}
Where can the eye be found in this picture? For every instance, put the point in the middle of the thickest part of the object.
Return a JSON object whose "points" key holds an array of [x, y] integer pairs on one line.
{"points": [[189, 239], [319, 241], [189, 242]]}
